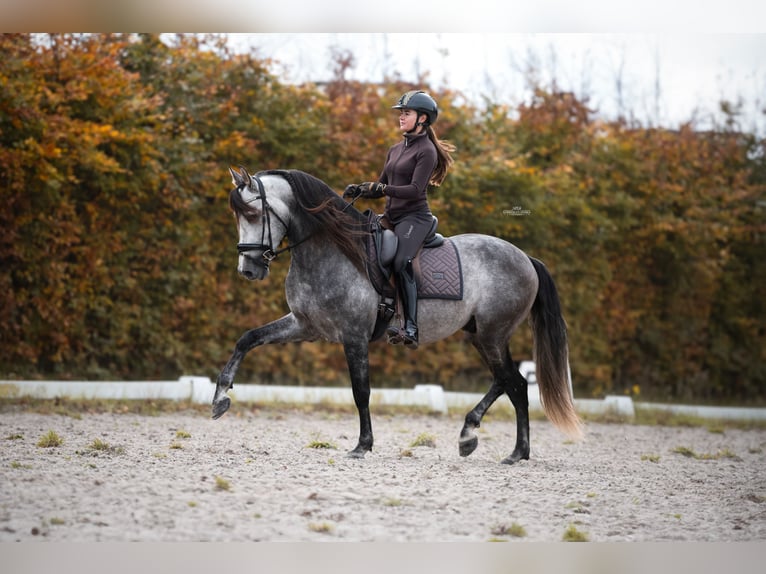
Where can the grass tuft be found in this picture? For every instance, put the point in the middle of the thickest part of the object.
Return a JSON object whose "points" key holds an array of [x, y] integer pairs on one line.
{"points": [[319, 444], [515, 530], [573, 535], [580, 507], [50, 440], [689, 453], [98, 444], [685, 451], [222, 484], [322, 527], [424, 439]]}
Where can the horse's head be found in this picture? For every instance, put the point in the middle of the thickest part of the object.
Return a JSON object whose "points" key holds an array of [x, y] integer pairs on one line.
{"points": [[262, 218]]}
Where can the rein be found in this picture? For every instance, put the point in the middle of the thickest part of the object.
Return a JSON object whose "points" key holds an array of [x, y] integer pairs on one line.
{"points": [[269, 252]]}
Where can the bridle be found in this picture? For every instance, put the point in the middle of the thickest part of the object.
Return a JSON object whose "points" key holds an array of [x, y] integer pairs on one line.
{"points": [[269, 251]]}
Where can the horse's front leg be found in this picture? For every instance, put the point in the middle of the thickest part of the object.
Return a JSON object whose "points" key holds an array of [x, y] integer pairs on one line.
{"points": [[284, 330], [357, 357]]}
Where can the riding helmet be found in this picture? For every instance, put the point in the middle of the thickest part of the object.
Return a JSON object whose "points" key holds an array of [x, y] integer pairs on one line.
{"points": [[419, 101]]}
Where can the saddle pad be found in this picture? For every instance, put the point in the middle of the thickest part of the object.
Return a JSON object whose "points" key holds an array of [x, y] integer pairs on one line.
{"points": [[438, 272]]}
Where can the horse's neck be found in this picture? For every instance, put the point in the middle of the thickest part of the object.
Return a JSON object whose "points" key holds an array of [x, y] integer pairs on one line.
{"points": [[319, 258], [317, 250]]}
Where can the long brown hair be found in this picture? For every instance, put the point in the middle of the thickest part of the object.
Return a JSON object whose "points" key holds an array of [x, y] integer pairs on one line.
{"points": [[443, 158]]}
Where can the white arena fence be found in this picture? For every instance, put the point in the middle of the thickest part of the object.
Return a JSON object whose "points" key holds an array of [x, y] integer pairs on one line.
{"points": [[430, 397]]}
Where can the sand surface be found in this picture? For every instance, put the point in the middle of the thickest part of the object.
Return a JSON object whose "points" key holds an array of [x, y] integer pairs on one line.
{"points": [[253, 476]]}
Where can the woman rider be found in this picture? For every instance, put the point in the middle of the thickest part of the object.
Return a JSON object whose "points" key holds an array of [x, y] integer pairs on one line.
{"points": [[411, 165]]}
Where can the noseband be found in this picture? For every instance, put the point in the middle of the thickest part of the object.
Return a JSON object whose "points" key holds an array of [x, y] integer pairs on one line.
{"points": [[269, 251]]}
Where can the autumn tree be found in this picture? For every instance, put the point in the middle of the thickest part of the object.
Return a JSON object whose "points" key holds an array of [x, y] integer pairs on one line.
{"points": [[119, 254]]}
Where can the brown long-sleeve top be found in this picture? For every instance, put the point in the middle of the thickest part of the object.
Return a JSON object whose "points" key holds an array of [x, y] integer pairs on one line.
{"points": [[406, 173]]}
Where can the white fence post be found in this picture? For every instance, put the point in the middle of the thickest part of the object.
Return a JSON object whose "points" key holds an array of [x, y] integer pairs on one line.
{"points": [[436, 400], [201, 389]]}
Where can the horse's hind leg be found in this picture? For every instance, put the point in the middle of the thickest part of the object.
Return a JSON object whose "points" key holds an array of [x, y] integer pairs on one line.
{"points": [[516, 388], [468, 439], [506, 379]]}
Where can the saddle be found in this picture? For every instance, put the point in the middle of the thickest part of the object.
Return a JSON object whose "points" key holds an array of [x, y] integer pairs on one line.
{"points": [[386, 244], [381, 249]]}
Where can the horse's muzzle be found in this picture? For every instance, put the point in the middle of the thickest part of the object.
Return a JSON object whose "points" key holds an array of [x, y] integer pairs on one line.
{"points": [[253, 269]]}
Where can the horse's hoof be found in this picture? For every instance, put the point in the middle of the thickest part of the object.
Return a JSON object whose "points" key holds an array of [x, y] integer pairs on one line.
{"points": [[220, 407], [514, 457], [356, 453], [468, 445]]}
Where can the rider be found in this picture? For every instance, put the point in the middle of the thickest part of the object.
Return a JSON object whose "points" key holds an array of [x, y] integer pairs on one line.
{"points": [[411, 165]]}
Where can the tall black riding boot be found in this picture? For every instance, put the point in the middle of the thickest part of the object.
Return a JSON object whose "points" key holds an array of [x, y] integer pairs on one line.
{"points": [[408, 290]]}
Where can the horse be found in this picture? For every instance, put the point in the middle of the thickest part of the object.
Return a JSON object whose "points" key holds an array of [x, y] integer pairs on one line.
{"points": [[331, 297]]}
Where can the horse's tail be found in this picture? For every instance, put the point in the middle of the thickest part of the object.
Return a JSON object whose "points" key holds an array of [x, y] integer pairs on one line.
{"points": [[551, 355]]}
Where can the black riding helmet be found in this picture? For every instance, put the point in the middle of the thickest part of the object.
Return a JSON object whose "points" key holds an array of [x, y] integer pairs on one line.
{"points": [[421, 102]]}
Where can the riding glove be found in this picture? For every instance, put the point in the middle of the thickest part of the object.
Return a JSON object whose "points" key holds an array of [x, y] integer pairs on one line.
{"points": [[372, 189], [352, 190]]}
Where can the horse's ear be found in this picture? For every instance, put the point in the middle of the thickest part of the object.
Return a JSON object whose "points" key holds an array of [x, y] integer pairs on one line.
{"points": [[244, 175], [234, 177], [239, 178]]}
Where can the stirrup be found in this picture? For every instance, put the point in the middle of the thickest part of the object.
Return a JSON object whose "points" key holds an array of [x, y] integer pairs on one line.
{"points": [[395, 336]]}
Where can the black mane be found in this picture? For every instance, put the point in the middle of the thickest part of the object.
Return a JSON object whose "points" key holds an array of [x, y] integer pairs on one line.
{"points": [[328, 213]]}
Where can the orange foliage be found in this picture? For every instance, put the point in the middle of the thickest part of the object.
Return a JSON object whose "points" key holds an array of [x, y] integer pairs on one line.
{"points": [[118, 250]]}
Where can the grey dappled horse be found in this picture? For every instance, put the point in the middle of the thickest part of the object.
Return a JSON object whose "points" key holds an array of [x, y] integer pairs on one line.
{"points": [[330, 297]]}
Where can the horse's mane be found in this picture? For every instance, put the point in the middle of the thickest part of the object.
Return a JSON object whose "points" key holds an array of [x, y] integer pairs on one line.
{"points": [[327, 213]]}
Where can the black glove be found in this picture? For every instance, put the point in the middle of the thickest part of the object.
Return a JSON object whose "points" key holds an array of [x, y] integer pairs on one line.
{"points": [[352, 190], [372, 189]]}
